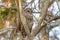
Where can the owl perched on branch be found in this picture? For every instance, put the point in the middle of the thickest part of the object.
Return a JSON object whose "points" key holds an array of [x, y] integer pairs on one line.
{"points": [[29, 17]]}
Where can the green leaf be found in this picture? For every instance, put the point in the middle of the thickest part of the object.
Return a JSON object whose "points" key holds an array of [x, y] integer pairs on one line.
{"points": [[0, 11]]}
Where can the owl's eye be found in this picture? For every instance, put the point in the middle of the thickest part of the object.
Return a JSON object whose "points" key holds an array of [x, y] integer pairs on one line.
{"points": [[28, 11]]}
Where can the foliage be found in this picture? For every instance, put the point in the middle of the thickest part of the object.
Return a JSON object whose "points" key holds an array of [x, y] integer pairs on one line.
{"points": [[7, 12]]}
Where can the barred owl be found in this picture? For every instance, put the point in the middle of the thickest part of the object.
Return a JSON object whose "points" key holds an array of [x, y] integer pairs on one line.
{"points": [[29, 17]]}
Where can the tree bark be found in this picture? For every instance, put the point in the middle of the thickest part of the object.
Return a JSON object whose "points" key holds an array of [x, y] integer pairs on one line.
{"points": [[23, 20], [43, 12]]}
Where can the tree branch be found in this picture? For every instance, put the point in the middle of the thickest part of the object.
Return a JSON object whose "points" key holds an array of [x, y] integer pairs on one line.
{"points": [[54, 18], [43, 12], [23, 20]]}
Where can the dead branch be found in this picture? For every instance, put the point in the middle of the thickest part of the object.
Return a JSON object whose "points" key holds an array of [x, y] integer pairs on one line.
{"points": [[43, 12], [29, 3], [35, 31], [54, 18]]}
